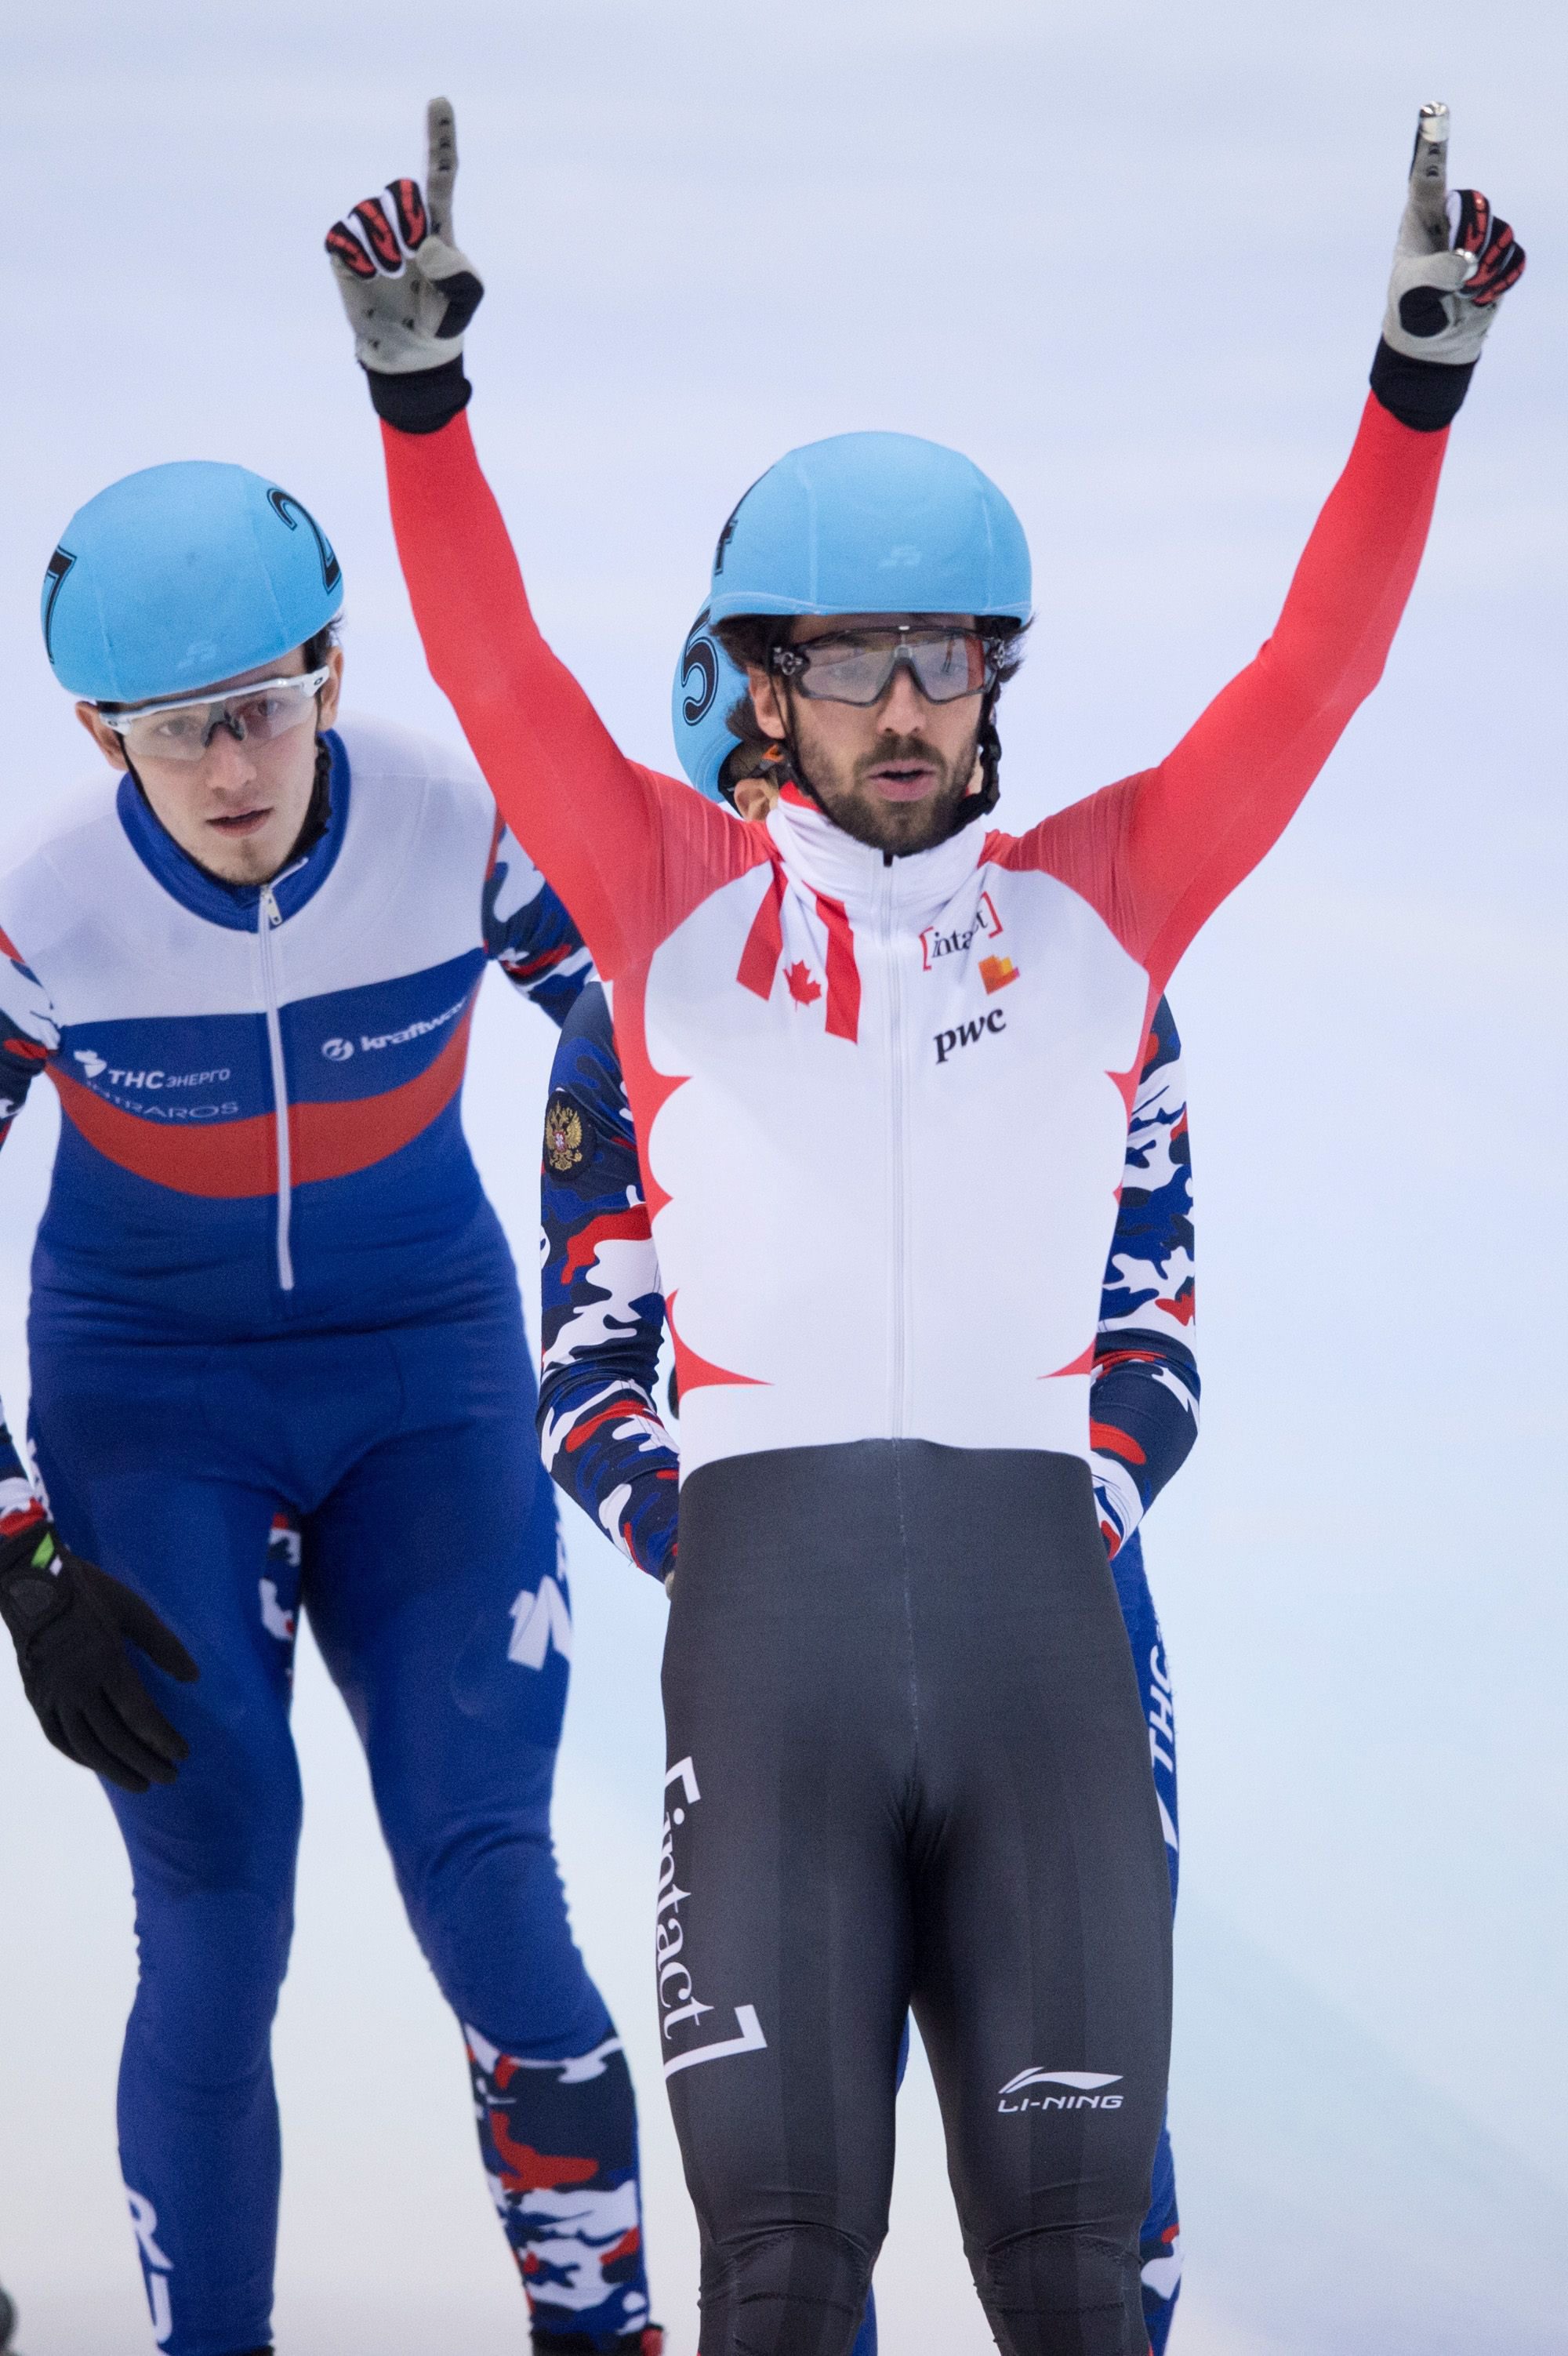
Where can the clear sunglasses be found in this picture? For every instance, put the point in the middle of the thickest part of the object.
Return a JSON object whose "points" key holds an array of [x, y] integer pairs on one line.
{"points": [[858, 667], [175, 729]]}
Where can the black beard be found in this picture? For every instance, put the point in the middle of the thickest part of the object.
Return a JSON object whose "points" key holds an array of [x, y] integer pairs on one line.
{"points": [[899, 829]]}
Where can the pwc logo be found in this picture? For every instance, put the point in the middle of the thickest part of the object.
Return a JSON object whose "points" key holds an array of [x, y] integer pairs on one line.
{"points": [[1083, 2090], [969, 1033]]}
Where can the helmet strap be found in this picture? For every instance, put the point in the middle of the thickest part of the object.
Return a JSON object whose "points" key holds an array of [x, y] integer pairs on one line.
{"points": [[793, 767]]}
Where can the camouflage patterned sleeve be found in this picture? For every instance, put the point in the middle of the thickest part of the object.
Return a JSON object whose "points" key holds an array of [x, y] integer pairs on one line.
{"points": [[601, 1307], [1144, 1400], [528, 932]]}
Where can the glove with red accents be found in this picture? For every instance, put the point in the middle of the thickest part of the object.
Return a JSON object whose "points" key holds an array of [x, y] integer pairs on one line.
{"points": [[409, 291], [70, 1623], [1453, 261]]}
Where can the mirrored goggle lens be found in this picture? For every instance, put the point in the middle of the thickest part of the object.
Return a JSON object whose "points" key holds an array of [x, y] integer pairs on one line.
{"points": [[182, 731], [947, 665]]}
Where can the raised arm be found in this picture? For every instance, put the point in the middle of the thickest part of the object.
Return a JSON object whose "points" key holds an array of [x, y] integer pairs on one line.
{"points": [[601, 1306], [628, 851], [1144, 1394], [1159, 852]]}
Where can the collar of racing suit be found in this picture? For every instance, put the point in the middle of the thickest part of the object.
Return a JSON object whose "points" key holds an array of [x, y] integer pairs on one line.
{"points": [[829, 862], [233, 905]]}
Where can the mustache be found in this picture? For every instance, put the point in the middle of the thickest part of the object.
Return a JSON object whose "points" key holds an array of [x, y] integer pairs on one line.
{"points": [[892, 751]]}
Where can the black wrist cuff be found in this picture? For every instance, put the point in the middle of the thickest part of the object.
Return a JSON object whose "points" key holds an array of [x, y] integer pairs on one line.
{"points": [[422, 402], [1423, 394], [32, 1597], [16, 1551]]}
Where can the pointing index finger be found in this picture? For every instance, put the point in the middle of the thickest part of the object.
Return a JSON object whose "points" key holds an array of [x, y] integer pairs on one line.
{"points": [[441, 168], [1429, 168]]}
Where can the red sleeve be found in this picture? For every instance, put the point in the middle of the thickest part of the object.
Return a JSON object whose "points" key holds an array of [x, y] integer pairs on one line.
{"points": [[629, 852], [1158, 852]]}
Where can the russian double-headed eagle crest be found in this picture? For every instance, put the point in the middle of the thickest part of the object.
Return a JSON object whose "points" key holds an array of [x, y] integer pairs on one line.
{"points": [[563, 1134]]}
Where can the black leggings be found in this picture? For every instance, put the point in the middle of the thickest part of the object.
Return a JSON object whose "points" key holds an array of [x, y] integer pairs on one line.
{"points": [[907, 1766]]}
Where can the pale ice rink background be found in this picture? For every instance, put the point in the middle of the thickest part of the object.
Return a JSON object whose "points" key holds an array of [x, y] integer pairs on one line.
{"points": [[1132, 258]]}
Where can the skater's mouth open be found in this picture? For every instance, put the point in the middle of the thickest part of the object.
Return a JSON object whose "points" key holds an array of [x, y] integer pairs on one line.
{"points": [[903, 781]]}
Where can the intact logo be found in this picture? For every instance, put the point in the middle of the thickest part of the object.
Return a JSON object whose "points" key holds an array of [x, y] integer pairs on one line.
{"points": [[338, 1051], [996, 972], [968, 1034], [936, 944], [1083, 2090], [679, 2002]]}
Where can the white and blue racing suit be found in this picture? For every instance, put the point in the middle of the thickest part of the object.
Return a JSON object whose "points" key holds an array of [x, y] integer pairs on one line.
{"points": [[278, 1362]]}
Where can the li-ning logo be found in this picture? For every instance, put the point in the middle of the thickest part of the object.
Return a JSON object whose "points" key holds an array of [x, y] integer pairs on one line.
{"points": [[678, 2001], [281, 502], [1081, 2090]]}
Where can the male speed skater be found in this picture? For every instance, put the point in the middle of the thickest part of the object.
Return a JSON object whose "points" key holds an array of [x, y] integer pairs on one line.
{"points": [[613, 1451], [908, 1761], [278, 1365]]}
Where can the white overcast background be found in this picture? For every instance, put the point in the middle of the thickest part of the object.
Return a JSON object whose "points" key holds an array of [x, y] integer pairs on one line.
{"points": [[1131, 257]]}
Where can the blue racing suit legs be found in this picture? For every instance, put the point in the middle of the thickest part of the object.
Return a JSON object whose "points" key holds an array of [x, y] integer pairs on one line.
{"points": [[427, 1562], [279, 1363]]}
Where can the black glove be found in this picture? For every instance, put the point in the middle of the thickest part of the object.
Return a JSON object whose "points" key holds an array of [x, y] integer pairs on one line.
{"points": [[70, 1623]]}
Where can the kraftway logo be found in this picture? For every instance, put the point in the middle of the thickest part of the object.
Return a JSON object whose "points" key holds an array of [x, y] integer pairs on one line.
{"points": [[338, 1051], [1082, 2091], [678, 1999]]}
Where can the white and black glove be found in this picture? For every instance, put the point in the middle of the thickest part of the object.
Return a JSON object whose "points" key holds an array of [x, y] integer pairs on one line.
{"points": [[409, 291], [1453, 261]]}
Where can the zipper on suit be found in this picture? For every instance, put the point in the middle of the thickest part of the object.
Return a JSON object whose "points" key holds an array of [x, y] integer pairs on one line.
{"points": [[269, 916], [896, 1209]]}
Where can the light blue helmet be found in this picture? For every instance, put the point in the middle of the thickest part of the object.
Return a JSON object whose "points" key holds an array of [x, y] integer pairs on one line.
{"points": [[182, 575], [872, 523], [708, 684]]}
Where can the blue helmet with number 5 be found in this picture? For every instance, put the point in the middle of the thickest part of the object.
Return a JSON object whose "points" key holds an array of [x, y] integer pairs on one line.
{"points": [[873, 523], [708, 684], [183, 575]]}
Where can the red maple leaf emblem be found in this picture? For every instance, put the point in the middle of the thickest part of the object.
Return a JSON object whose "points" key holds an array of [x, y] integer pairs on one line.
{"points": [[804, 987]]}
